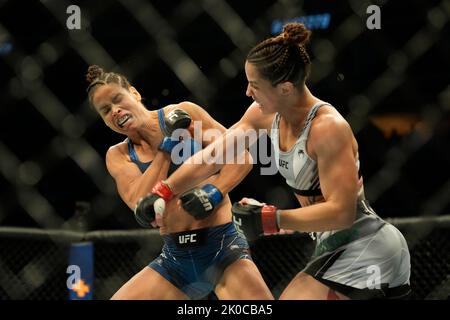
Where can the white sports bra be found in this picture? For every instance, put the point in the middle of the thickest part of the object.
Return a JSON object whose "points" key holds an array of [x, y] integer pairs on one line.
{"points": [[296, 166]]}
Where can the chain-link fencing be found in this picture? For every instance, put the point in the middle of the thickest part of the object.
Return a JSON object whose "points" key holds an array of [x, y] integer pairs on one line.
{"points": [[34, 262]]}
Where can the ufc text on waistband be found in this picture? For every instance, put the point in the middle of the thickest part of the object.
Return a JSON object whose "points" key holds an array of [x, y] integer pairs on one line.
{"points": [[190, 239]]}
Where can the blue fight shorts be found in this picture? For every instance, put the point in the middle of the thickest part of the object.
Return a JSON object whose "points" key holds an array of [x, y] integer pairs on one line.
{"points": [[194, 260]]}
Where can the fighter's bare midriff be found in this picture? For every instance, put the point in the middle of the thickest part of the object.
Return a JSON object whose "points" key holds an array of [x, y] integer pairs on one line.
{"points": [[176, 219]]}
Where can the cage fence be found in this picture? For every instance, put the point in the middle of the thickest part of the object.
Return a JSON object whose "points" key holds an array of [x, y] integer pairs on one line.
{"points": [[390, 84], [34, 263]]}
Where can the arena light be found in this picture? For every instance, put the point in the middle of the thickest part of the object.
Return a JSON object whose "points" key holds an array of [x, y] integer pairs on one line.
{"points": [[316, 21]]}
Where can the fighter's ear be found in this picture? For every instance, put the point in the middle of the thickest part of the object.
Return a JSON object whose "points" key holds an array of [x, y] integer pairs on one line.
{"points": [[135, 93], [286, 87]]}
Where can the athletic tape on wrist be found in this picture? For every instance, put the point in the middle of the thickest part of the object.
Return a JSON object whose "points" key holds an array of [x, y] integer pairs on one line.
{"points": [[277, 214]]}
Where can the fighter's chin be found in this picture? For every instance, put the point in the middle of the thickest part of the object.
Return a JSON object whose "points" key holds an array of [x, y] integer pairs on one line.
{"points": [[126, 130]]}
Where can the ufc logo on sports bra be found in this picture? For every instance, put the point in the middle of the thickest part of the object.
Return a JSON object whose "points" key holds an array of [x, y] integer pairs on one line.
{"points": [[187, 238], [283, 164]]}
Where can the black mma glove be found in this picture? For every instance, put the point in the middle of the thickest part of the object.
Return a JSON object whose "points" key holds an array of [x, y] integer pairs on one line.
{"points": [[254, 219], [150, 209], [200, 202], [176, 119]]}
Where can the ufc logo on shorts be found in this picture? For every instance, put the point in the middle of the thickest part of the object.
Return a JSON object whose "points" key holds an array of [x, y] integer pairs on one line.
{"points": [[187, 238], [237, 224]]}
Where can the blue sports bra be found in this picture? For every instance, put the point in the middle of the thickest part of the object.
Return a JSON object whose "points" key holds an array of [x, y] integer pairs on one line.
{"points": [[195, 146]]}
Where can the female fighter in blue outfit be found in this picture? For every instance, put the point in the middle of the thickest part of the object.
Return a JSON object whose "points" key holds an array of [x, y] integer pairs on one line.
{"points": [[200, 254]]}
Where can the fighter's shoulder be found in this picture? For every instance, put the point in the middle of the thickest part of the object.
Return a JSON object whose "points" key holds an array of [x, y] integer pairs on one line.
{"points": [[329, 126], [117, 151], [193, 109]]}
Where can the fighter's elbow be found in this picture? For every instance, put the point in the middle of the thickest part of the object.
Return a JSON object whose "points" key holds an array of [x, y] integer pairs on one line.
{"points": [[346, 216], [132, 198], [343, 213], [248, 167]]}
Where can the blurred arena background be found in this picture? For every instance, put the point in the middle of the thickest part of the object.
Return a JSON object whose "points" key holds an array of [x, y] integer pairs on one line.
{"points": [[391, 84]]}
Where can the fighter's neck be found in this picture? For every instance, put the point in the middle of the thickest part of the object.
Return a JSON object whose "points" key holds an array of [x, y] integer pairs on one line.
{"points": [[294, 113], [148, 134]]}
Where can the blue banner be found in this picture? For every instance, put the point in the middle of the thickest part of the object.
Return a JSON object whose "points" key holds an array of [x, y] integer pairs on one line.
{"points": [[80, 280], [317, 21]]}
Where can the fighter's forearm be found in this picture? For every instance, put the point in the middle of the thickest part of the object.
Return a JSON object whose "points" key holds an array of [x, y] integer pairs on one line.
{"points": [[192, 172], [153, 174], [232, 174], [318, 217], [231, 148]]}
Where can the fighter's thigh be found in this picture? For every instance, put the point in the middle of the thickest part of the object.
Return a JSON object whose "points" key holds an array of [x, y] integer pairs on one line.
{"points": [[305, 287], [148, 284], [242, 280]]}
